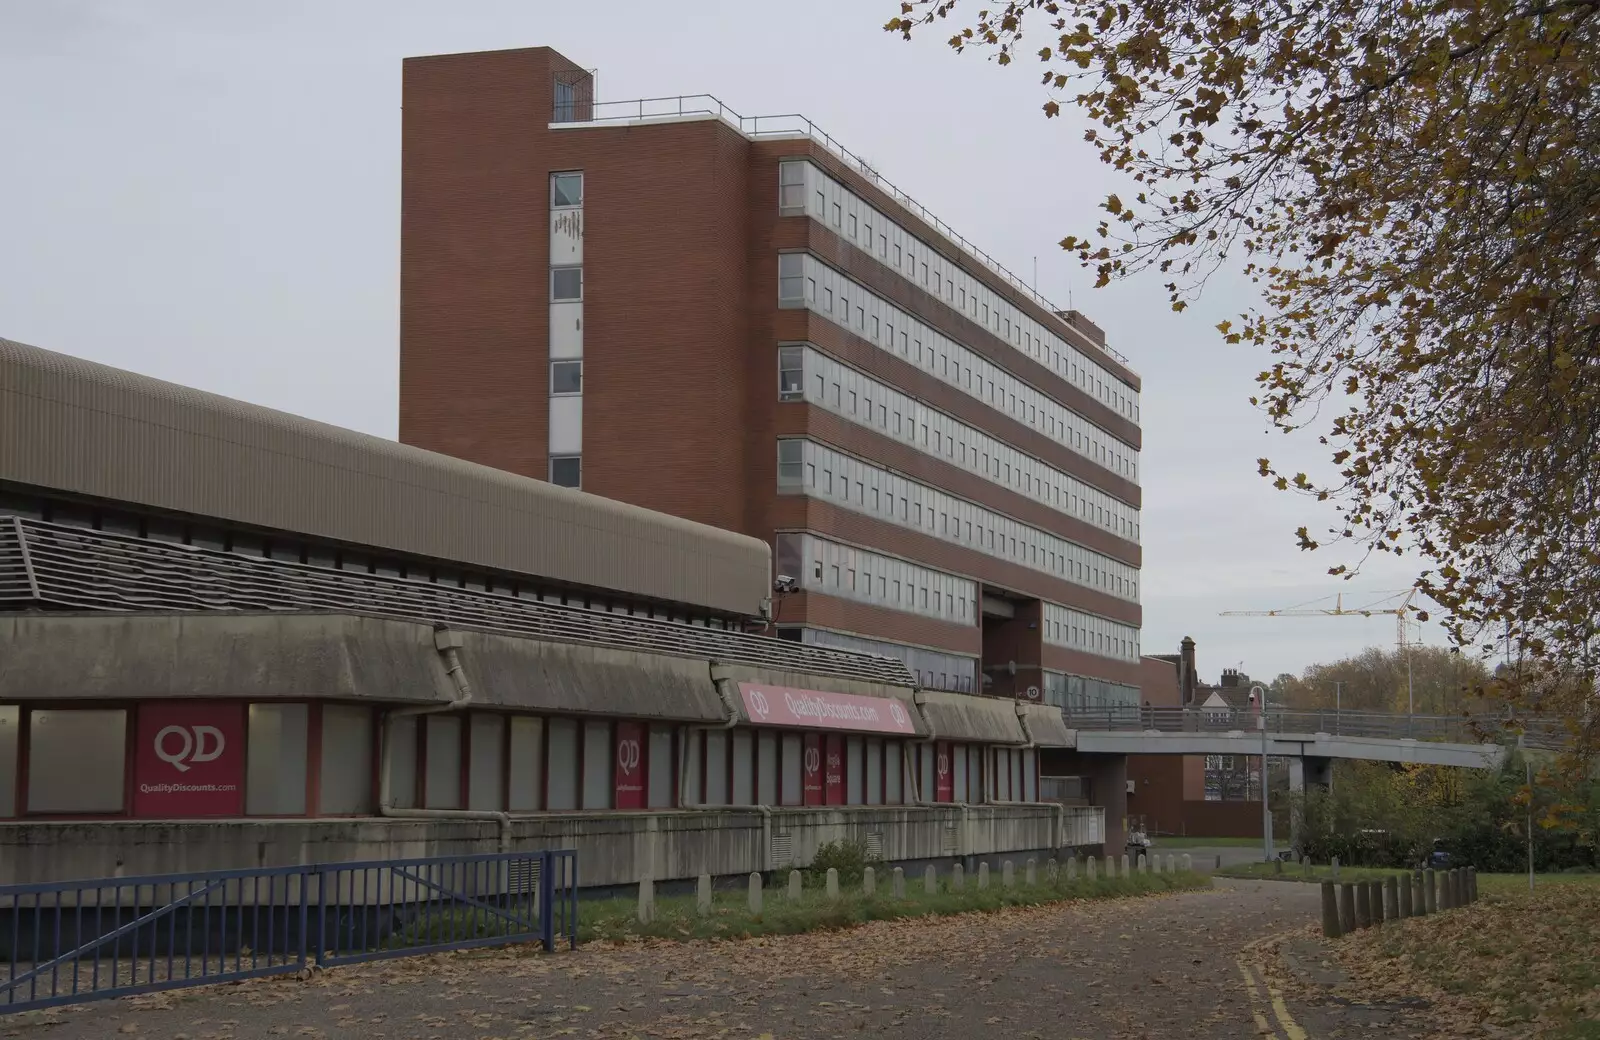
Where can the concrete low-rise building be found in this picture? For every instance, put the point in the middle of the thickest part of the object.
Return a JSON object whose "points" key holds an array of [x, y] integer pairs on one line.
{"points": [[231, 637]]}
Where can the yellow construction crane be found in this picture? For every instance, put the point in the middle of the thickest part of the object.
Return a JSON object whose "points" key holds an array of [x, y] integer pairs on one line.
{"points": [[1374, 609]]}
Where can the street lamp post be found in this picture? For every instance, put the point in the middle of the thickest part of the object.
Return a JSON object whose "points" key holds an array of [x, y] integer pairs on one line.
{"points": [[1260, 696]]}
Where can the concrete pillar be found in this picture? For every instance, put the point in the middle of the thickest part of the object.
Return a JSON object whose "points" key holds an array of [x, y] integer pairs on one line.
{"points": [[1008, 875], [1188, 862], [1404, 897], [832, 889], [755, 892], [1297, 799], [930, 881], [1363, 913], [796, 885], [1347, 908], [1330, 911], [1144, 864], [1172, 863], [1125, 864], [647, 901], [1031, 872], [1391, 899], [702, 898], [1088, 869], [958, 877], [899, 883], [1072, 869], [1430, 890]]}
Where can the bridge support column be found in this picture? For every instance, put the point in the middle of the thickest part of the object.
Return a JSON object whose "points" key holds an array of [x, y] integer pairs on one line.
{"points": [[1305, 770]]}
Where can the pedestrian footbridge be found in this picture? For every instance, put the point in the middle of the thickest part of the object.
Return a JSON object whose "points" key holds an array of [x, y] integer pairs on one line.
{"points": [[1444, 740]]}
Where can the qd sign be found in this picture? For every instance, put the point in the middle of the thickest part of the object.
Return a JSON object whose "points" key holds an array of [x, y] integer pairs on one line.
{"points": [[179, 746]]}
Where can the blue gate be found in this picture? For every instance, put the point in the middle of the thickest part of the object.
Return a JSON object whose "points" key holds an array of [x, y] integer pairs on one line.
{"points": [[72, 941]]}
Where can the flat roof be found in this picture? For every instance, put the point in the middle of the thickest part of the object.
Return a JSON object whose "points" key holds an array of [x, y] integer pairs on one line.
{"points": [[89, 429]]}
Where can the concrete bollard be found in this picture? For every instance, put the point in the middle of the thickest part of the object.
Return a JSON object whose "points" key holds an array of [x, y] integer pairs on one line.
{"points": [[1305, 866], [898, 881], [1419, 897], [1111, 866], [1072, 869], [1442, 878], [930, 881], [1219, 861], [1458, 898], [1030, 873], [1143, 864], [983, 876], [1375, 902], [1126, 863], [647, 901], [1472, 884], [1088, 869], [1362, 908], [869, 882], [1404, 897], [958, 878], [1333, 865], [832, 884], [702, 896], [1172, 863], [755, 892], [1052, 871], [1008, 875], [1391, 899], [1430, 891], [1347, 908], [796, 885], [1188, 862], [1330, 911], [1277, 866]]}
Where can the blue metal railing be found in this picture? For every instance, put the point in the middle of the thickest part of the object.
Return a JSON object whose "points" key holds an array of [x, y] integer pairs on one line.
{"points": [[70, 941]]}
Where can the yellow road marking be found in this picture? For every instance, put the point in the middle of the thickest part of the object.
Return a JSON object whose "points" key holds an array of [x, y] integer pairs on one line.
{"points": [[1291, 1028], [1262, 1026]]}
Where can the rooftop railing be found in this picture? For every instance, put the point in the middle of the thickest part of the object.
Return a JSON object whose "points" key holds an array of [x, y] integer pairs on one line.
{"points": [[1462, 729], [795, 125]]}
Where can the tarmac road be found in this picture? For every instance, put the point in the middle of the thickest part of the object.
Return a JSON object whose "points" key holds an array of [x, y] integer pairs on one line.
{"points": [[1168, 967]]}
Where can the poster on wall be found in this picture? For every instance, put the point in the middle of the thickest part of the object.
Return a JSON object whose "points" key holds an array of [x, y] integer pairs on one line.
{"points": [[630, 772], [189, 760], [811, 774], [833, 769], [944, 778]]}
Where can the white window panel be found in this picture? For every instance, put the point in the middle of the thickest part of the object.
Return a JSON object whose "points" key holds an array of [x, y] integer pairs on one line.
{"points": [[919, 263], [878, 493], [1090, 633], [566, 425], [843, 568], [566, 329], [905, 419]]}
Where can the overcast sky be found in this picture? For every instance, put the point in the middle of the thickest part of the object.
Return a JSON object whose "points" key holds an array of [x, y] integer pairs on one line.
{"points": [[207, 191]]}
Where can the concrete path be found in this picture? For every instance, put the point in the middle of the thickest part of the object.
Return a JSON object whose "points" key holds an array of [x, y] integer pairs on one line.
{"points": [[1167, 967]]}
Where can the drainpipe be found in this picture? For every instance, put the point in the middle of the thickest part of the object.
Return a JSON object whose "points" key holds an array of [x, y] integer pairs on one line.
{"points": [[448, 644], [731, 712]]}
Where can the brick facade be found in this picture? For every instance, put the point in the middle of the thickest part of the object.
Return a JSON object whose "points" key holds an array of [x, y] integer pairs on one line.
{"points": [[681, 236]]}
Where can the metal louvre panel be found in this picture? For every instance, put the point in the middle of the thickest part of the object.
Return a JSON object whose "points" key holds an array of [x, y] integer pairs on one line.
{"points": [[72, 425], [16, 584], [82, 569]]}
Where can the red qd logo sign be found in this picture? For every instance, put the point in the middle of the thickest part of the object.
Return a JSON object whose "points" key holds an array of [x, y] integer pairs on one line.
{"points": [[189, 760]]}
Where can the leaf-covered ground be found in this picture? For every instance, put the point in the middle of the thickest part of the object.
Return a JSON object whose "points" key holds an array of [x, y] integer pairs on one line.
{"points": [[1513, 965], [1118, 969]]}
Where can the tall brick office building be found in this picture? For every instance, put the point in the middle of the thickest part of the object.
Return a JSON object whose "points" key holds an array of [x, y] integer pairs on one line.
{"points": [[735, 321]]}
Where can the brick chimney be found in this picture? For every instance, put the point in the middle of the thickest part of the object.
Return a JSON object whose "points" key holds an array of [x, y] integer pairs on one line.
{"points": [[1186, 678]]}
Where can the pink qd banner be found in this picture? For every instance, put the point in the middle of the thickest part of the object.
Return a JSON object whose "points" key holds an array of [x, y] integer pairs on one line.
{"points": [[815, 709]]}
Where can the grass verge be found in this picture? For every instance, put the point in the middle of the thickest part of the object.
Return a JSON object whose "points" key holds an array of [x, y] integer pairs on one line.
{"points": [[1525, 963], [730, 917]]}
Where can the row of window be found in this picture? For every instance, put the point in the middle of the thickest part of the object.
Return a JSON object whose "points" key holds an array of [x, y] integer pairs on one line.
{"points": [[218, 759], [1090, 633], [807, 374], [851, 573], [1079, 693], [814, 469], [804, 188], [805, 281], [934, 669], [320, 554], [565, 412]]}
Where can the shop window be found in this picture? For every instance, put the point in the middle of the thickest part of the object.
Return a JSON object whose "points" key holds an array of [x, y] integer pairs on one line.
{"points": [[598, 778], [486, 764], [345, 785], [562, 786], [716, 767], [525, 776], [663, 782], [402, 735], [275, 777], [77, 760], [792, 766], [442, 785]]}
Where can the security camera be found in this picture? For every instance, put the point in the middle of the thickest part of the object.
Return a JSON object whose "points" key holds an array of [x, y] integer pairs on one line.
{"points": [[785, 584]]}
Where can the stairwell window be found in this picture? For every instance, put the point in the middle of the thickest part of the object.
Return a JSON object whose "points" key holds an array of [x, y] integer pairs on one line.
{"points": [[566, 283], [566, 377], [566, 470], [566, 190]]}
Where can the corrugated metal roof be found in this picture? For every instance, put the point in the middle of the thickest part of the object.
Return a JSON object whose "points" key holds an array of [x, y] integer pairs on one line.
{"points": [[89, 429]]}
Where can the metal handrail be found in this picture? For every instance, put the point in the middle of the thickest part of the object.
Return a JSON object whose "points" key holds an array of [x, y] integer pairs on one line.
{"points": [[1479, 729], [791, 124]]}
